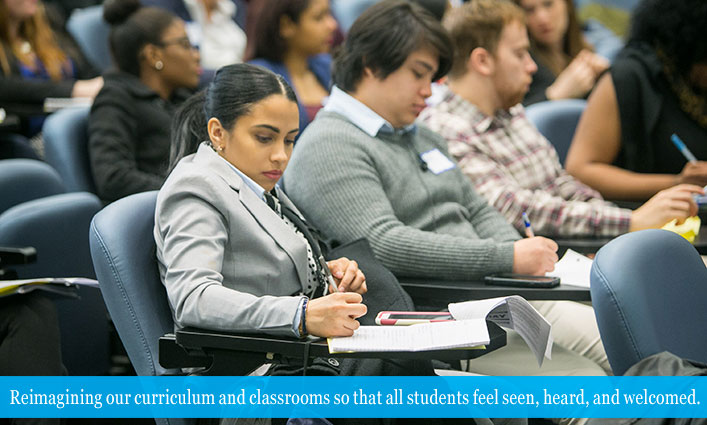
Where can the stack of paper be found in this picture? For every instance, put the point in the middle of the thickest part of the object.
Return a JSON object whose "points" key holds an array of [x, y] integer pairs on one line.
{"points": [[421, 337]]}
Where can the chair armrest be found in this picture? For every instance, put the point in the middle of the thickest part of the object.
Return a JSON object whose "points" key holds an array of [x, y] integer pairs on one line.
{"points": [[10, 256], [239, 354], [13, 255]]}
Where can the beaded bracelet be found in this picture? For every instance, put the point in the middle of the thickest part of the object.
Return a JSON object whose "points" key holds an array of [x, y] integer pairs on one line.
{"points": [[303, 318]]}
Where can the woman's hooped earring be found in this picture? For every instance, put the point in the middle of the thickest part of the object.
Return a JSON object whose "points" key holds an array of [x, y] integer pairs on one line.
{"points": [[159, 65]]}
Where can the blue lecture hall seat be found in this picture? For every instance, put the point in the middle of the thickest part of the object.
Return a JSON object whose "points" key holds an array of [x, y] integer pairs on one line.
{"points": [[648, 292], [557, 120], [91, 33], [123, 251], [56, 224], [66, 148], [23, 180]]}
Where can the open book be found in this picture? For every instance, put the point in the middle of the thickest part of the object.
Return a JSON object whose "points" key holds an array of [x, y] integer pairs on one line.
{"points": [[61, 286], [468, 330]]}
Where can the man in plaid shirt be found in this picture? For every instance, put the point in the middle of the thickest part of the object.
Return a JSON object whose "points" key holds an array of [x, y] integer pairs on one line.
{"points": [[510, 163]]}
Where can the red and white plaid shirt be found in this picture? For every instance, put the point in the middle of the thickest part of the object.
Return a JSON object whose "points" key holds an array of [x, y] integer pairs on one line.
{"points": [[517, 169]]}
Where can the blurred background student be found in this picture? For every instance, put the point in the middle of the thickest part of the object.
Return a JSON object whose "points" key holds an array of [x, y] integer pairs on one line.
{"points": [[657, 87], [130, 118], [216, 27], [36, 63], [293, 38], [568, 66]]}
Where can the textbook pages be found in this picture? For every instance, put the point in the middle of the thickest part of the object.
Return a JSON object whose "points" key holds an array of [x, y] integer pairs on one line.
{"points": [[512, 312], [466, 331]]}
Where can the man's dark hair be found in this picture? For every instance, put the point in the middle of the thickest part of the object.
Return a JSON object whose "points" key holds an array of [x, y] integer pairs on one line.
{"points": [[675, 27], [383, 37]]}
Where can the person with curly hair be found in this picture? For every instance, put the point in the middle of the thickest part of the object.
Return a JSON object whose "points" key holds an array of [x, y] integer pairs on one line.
{"points": [[656, 88]]}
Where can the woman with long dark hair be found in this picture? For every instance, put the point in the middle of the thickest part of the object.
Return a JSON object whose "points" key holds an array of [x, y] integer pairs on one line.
{"points": [[36, 63], [568, 67], [293, 38]]}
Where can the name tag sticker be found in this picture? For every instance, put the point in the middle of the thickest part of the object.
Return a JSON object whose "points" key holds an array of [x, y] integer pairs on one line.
{"points": [[436, 161]]}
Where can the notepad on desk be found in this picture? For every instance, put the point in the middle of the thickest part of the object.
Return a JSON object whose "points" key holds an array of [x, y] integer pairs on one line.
{"points": [[468, 330], [420, 337], [573, 269]]}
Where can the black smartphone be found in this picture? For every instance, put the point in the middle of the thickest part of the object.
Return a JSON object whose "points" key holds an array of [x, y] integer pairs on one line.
{"points": [[522, 280]]}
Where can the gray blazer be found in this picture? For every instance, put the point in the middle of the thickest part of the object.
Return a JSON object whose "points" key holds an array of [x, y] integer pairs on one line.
{"points": [[228, 261]]}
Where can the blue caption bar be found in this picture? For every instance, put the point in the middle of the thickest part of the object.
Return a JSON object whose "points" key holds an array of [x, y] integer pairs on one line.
{"points": [[247, 397]]}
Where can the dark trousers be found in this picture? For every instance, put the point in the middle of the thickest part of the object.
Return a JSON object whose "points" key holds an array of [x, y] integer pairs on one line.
{"points": [[29, 342]]}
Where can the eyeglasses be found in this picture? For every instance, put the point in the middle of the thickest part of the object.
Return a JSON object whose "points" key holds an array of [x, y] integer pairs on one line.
{"points": [[181, 41]]}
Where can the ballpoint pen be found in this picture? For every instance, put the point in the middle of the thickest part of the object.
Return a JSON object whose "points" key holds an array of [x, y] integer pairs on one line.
{"points": [[683, 149], [327, 274], [528, 228]]}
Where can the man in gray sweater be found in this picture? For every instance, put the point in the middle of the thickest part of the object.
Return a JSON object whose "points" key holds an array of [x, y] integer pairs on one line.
{"points": [[363, 168]]}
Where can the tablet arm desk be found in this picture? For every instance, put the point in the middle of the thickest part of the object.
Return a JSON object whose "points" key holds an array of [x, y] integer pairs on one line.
{"points": [[223, 353]]}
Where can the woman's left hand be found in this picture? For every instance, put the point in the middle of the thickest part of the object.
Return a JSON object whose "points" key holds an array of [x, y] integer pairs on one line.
{"points": [[347, 275]]}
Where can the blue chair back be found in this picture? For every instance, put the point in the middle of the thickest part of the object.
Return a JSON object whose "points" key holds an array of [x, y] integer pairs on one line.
{"points": [[557, 120], [91, 33], [66, 148], [648, 291], [123, 251], [57, 226], [23, 180]]}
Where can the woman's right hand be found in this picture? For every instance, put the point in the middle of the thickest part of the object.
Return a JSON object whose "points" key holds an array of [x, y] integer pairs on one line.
{"points": [[87, 88], [694, 173], [334, 314], [578, 78]]}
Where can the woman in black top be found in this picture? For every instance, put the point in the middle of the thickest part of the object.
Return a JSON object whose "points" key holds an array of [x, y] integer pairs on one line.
{"points": [[657, 87], [129, 124]]}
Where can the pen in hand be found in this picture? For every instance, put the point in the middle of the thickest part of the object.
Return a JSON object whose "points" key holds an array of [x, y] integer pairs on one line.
{"points": [[528, 228], [327, 274], [683, 149]]}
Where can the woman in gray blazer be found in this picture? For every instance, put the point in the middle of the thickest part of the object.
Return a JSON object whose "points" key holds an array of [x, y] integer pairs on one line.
{"points": [[231, 254]]}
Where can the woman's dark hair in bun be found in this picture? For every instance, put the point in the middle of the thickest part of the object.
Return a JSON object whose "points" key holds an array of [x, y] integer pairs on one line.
{"points": [[132, 27]]}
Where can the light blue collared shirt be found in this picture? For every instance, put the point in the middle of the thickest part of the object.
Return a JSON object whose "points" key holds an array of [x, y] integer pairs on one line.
{"points": [[258, 190], [361, 115], [255, 187]]}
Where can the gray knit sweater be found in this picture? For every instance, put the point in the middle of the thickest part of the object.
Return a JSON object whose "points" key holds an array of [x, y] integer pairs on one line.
{"points": [[351, 185]]}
